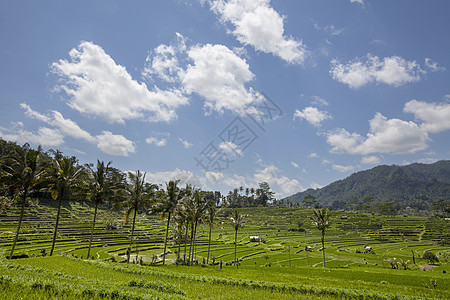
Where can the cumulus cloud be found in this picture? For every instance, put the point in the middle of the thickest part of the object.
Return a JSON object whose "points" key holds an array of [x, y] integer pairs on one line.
{"points": [[257, 24], [164, 61], [219, 76], [115, 144], [357, 1], [392, 70], [66, 127], [98, 86], [270, 174], [435, 116], [185, 177], [385, 136], [230, 148], [160, 143], [44, 136], [312, 115]]}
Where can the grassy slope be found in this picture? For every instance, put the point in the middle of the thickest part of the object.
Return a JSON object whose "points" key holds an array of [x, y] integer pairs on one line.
{"points": [[267, 269]]}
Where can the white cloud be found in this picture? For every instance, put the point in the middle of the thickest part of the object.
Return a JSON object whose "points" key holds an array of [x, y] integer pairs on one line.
{"points": [[392, 70], [370, 160], [385, 136], [98, 86], [295, 165], [186, 144], [159, 143], [44, 136], [185, 177], [257, 24], [230, 148], [312, 115], [342, 169], [106, 142], [164, 61], [435, 116], [67, 126], [358, 1], [270, 175], [219, 76], [318, 101], [433, 66], [115, 144]]}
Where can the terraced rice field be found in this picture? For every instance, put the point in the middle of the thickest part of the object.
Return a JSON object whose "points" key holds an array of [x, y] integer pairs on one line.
{"points": [[276, 267]]}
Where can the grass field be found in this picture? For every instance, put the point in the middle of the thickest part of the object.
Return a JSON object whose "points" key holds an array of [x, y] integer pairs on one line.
{"points": [[277, 267]]}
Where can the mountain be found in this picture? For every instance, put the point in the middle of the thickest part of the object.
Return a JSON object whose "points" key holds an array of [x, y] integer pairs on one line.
{"points": [[415, 185]]}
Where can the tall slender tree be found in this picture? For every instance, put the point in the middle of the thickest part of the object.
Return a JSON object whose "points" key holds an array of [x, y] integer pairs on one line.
{"points": [[322, 220], [238, 221], [166, 206], [63, 176], [22, 169], [137, 194], [211, 213], [104, 183]]}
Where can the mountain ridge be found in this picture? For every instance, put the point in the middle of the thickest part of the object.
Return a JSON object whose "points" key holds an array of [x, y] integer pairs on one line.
{"points": [[416, 185]]}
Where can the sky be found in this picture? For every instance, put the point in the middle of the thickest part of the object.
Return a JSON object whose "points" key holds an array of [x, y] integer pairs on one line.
{"points": [[223, 94]]}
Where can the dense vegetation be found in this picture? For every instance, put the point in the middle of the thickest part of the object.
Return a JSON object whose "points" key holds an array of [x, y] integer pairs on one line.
{"points": [[71, 231], [416, 185]]}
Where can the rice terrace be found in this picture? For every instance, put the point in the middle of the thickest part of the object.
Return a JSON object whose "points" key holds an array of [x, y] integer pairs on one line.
{"points": [[71, 231], [225, 149]]}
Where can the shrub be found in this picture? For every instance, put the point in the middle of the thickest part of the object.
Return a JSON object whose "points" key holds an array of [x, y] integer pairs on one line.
{"points": [[430, 256]]}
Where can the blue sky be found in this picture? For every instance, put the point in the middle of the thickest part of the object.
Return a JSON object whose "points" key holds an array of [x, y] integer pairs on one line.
{"points": [[229, 93]]}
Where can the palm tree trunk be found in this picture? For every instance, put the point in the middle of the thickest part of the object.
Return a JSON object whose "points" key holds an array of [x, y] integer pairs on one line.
{"points": [[323, 248], [209, 245], [165, 241], [235, 248], [57, 223], [185, 241], [193, 243], [92, 231], [132, 231], [179, 245], [22, 210], [190, 245]]}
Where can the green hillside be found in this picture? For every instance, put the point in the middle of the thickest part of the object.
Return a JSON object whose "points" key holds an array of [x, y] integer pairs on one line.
{"points": [[416, 185]]}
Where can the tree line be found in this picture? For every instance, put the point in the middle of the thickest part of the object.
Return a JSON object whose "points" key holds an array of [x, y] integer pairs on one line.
{"points": [[27, 173]]}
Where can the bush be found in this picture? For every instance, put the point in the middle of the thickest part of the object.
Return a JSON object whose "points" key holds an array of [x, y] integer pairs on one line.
{"points": [[430, 256]]}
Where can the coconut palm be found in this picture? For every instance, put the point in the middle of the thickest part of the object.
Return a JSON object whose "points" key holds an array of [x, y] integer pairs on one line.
{"points": [[211, 213], [137, 194], [63, 176], [104, 182], [167, 205], [321, 219], [238, 221], [22, 170]]}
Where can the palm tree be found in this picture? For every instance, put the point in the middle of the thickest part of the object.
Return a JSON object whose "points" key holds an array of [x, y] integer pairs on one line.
{"points": [[104, 182], [321, 219], [211, 213], [137, 194], [63, 175], [167, 205], [238, 221], [22, 169]]}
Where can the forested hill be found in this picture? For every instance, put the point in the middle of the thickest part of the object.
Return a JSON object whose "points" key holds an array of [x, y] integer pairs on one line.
{"points": [[415, 185]]}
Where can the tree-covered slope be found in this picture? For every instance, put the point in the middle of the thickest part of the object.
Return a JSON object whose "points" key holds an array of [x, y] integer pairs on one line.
{"points": [[416, 185]]}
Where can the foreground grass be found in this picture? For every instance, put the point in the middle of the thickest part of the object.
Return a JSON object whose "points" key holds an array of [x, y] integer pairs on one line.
{"points": [[69, 278]]}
